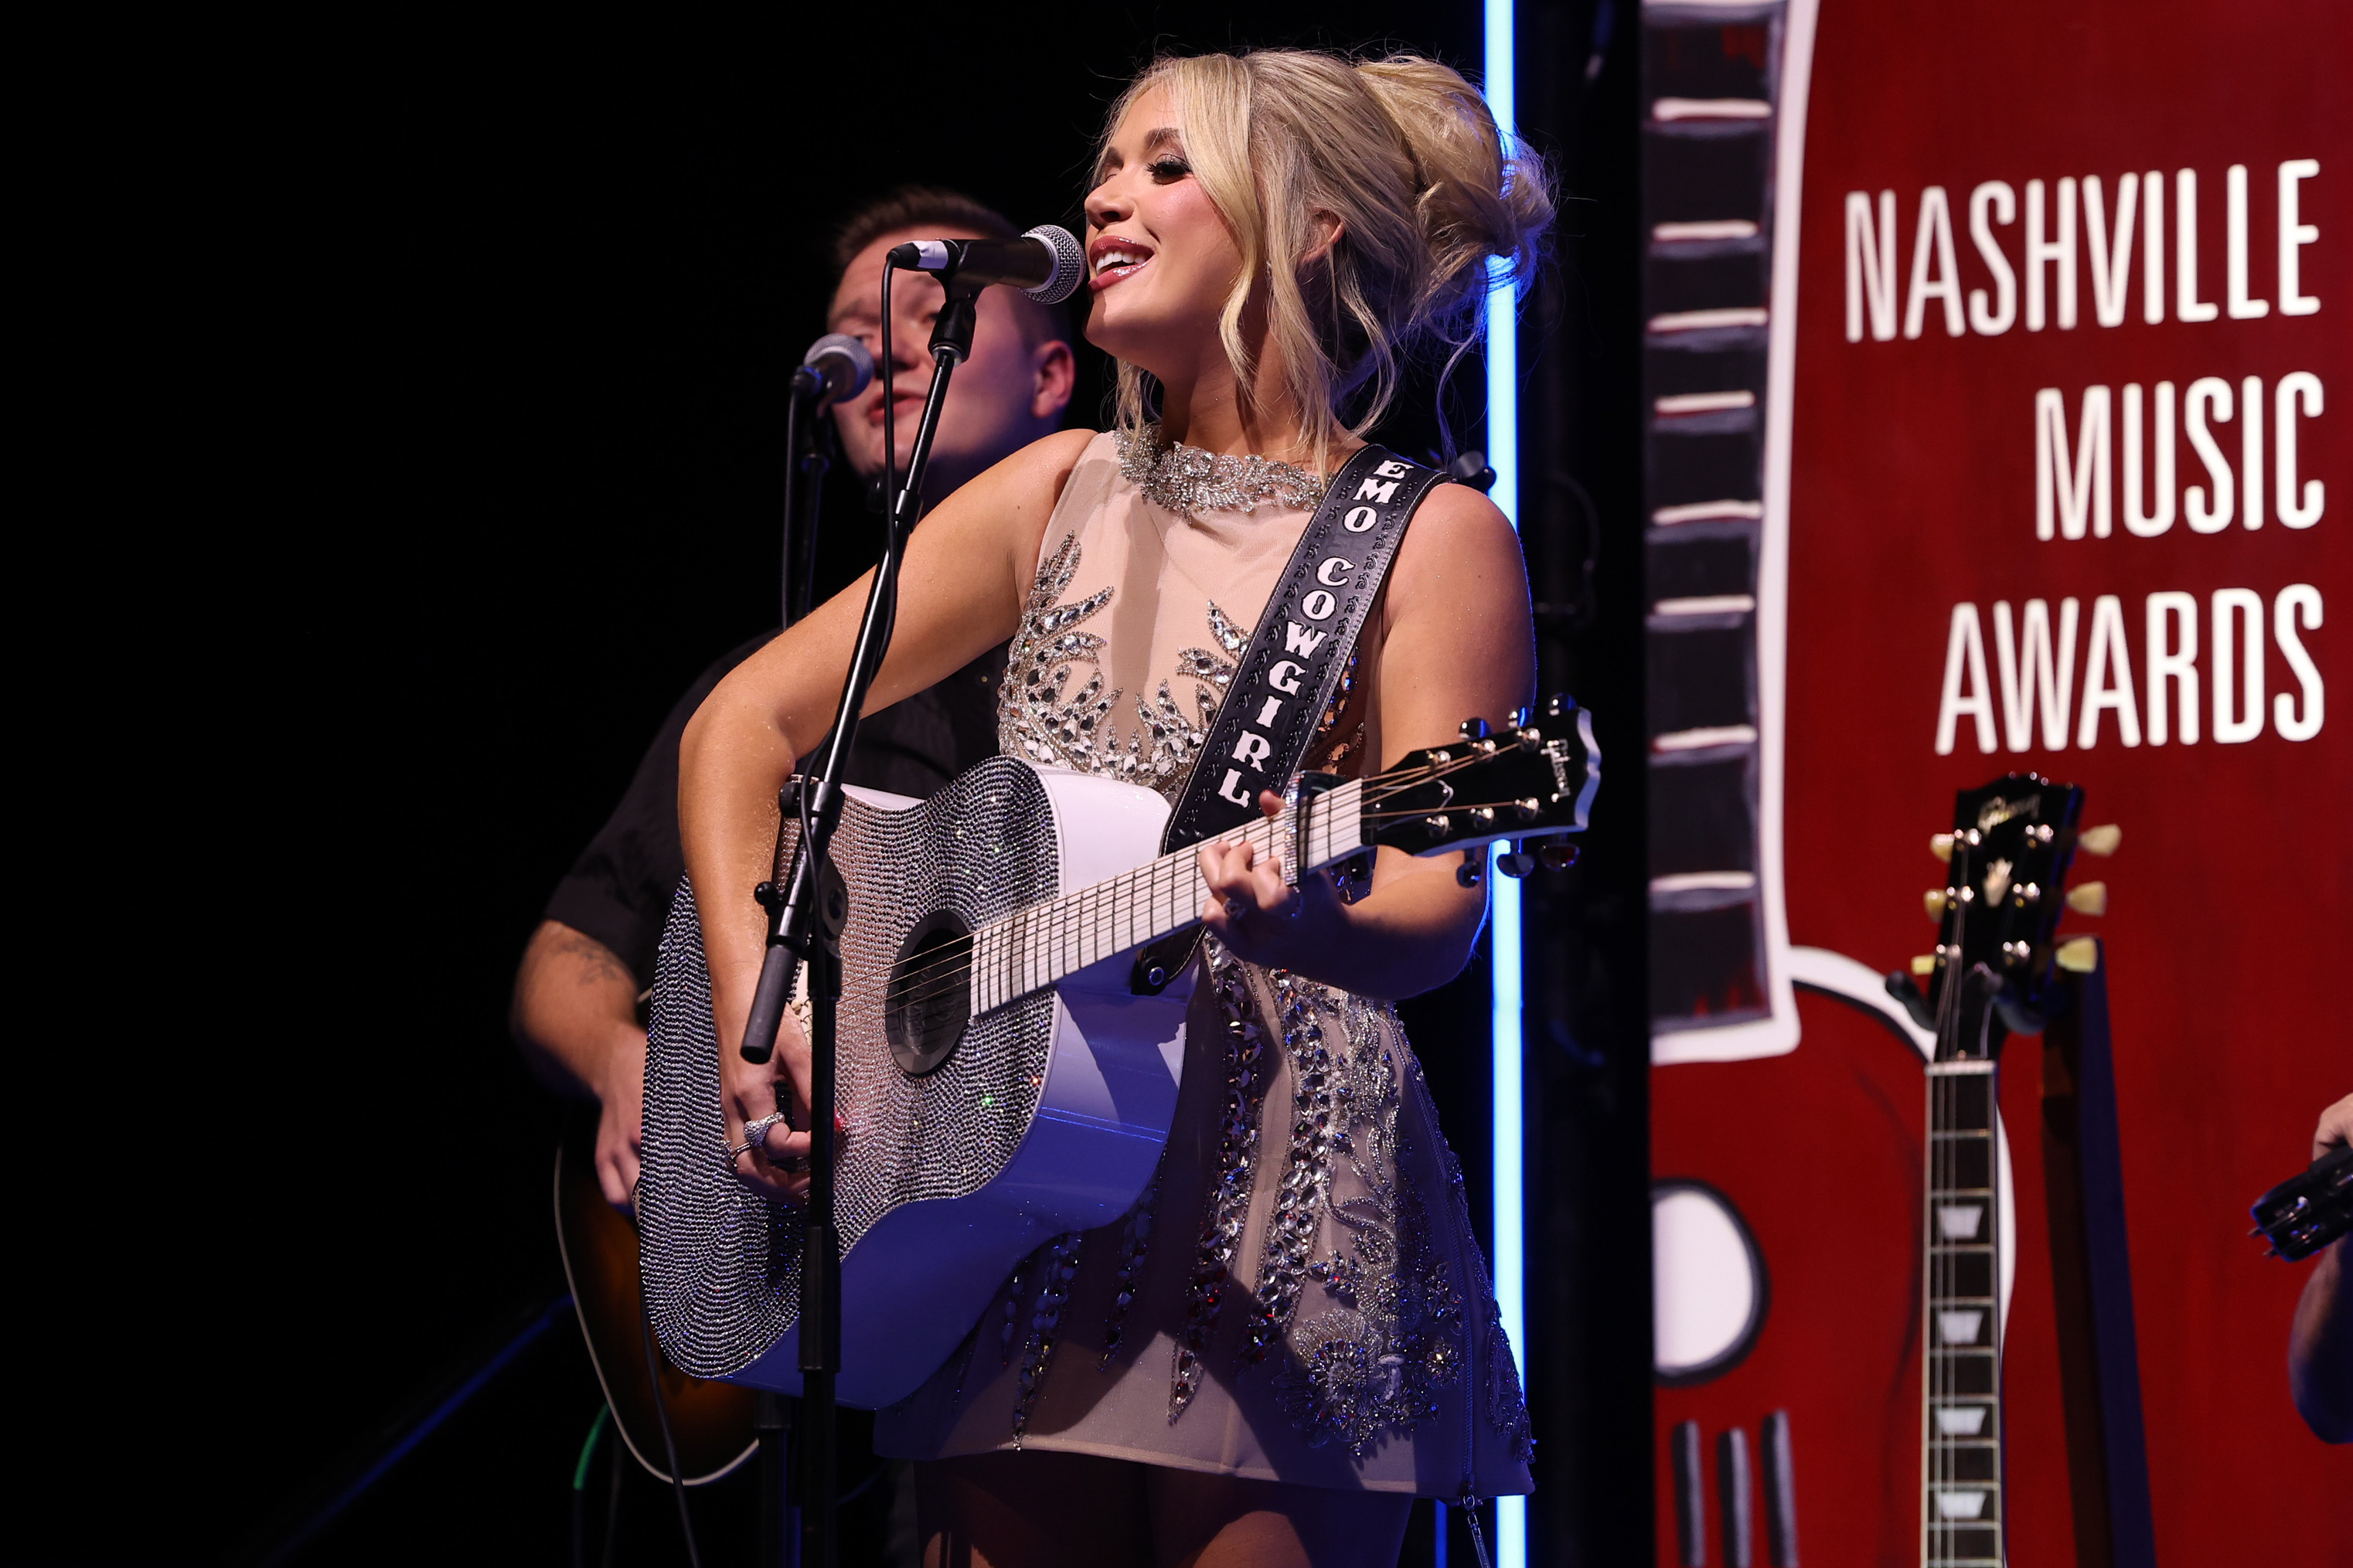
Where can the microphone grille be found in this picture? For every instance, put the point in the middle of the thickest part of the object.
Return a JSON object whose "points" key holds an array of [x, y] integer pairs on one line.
{"points": [[844, 363], [1069, 264]]}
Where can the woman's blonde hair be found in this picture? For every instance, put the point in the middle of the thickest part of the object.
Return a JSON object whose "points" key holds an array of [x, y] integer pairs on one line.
{"points": [[1403, 153]]}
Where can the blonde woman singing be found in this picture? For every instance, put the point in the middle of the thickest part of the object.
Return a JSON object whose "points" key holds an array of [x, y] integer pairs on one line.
{"points": [[1292, 1335]]}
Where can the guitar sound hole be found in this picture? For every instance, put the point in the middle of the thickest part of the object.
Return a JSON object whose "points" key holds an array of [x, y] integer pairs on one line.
{"points": [[929, 999]]}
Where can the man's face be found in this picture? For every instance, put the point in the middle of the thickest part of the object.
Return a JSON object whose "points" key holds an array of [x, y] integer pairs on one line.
{"points": [[1008, 394]]}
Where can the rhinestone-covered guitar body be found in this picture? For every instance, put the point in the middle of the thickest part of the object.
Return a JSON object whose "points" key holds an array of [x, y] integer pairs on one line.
{"points": [[1046, 1115]]}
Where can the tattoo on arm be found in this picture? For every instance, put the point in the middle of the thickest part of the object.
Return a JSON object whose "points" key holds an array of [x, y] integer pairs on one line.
{"points": [[597, 963]]}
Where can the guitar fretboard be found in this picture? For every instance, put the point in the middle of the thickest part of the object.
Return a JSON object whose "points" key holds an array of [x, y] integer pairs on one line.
{"points": [[1961, 1505], [1035, 947]]}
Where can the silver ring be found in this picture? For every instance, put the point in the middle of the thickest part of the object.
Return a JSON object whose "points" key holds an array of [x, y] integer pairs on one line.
{"points": [[755, 1136], [1235, 907]]}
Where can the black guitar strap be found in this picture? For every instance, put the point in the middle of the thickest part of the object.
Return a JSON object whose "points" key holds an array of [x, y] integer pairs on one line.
{"points": [[1291, 671]]}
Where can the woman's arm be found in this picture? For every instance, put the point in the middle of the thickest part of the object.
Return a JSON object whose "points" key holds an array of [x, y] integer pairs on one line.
{"points": [[1461, 642], [961, 592]]}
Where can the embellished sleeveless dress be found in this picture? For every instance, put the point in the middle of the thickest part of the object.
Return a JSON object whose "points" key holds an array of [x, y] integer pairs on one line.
{"points": [[1297, 1297]]}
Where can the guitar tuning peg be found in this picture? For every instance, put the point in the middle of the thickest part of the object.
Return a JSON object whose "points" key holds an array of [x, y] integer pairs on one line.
{"points": [[1935, 903], [1515, 862], [2102, 840], [2088, 898], [1558, 854], [2078, 955], [1940, 845], [1924, 965], [1476, 729]]}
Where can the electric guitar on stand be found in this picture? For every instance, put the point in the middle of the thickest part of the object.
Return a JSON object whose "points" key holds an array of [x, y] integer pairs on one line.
{"points": [[1995, 960], [1834, 1237]]}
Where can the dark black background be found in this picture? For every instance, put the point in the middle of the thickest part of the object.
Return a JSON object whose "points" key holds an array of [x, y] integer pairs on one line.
{"points": [[417, 437]]}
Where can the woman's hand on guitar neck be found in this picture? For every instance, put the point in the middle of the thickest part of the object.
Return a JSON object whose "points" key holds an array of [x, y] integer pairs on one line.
{"points": [[750, 1090], [1411, 933]]}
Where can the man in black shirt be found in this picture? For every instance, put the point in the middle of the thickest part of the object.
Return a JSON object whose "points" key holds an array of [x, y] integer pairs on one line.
{"points": [[575, 1011]]}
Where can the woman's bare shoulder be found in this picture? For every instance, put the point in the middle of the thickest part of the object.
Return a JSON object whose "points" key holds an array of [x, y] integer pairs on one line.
{"points": [[1041, 470], [1459, 542], [1011, 500]]}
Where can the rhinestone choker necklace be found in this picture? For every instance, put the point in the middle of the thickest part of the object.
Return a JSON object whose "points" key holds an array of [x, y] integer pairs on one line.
{"points": [[1181, 478]]}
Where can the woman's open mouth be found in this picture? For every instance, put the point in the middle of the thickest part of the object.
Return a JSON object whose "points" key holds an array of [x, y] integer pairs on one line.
{"points": [[1110, 261]]}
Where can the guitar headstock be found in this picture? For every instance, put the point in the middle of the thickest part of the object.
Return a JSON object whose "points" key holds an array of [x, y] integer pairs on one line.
{"points": [[1532, 783], [2011, 845]]}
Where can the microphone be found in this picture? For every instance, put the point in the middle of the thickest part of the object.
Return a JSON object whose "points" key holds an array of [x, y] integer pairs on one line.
{"points": [[835, 370], [1045, 264]]}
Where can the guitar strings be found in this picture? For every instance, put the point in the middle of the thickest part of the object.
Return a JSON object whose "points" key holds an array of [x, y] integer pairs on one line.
{"points": [[1942, 1381], [1017, 929], [1155, 887], [1066, 924], [942, 975], [1936, 1381], [1161, 878]]}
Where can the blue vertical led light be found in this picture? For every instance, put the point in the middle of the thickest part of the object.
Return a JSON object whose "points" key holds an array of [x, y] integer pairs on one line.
{"points": [[1510, 1167]]}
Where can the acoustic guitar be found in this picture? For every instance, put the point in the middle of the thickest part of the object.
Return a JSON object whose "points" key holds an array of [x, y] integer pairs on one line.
{"points": [[710, 1423], [1005, 1077], [1861, 1188]]}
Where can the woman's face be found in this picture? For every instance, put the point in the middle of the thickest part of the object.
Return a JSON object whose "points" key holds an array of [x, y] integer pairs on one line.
{"points": [[1160, 260]]}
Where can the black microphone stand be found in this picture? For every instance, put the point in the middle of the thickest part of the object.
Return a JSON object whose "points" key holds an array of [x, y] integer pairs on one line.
{"points": [[805, 463], [806, 916], [808, 395]]}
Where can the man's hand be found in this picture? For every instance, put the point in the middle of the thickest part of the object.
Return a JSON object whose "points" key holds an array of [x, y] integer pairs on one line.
{"points": [[576, 1016], [2336, 1127], [621, 1125]]}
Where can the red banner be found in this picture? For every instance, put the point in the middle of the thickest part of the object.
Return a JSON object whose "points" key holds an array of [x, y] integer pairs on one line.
{"points": [[2055, 479]]}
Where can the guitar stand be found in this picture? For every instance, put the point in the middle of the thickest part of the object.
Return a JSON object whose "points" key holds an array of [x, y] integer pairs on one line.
{"points": [[2099, 1361], [806, 909]]}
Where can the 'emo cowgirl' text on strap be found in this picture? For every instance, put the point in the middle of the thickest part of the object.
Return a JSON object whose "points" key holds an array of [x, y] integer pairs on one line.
{"points": [[1291, 670]]}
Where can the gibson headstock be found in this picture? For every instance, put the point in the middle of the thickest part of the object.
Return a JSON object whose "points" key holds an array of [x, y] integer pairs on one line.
{"points": [[1998, 952], [1532, 784]]}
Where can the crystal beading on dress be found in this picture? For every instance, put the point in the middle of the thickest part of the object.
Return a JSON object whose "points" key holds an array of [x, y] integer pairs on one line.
{"points": [[1061, 1266], [1036, 719], [1186, 480], [1227, 1205], [1134, 1247], [1315, 1088], [1376, 1359]]}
